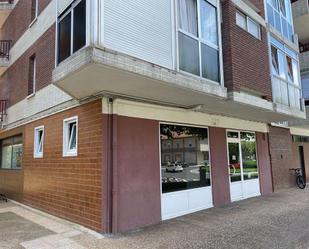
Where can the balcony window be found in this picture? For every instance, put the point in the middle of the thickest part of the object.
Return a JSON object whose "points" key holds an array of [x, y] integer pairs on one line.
{"points": [[285, 71], [11, 153], [72, 30], [198, 40], [279, 15]]}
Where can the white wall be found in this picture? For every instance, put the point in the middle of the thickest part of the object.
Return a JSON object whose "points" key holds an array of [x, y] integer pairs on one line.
{"points": [[141, 28]]}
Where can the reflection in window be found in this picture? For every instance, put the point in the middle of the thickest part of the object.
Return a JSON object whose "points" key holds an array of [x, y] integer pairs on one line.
{"points": [[11, 153], [290, 69], [274, 60], [186, 166], [248, 151]]}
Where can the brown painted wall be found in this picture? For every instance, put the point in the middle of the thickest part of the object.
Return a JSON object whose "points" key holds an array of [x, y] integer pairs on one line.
{"points": [[219, 166], [137, 166], [265, 173], [67, 187], [296, 159], [280, 142], [246, 60]]}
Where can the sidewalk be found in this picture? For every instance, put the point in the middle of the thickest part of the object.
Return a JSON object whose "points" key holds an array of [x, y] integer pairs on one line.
{"points": [[277, 221]]}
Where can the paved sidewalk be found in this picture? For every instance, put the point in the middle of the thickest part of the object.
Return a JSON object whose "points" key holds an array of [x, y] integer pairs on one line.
{"points": [[280, 220]]}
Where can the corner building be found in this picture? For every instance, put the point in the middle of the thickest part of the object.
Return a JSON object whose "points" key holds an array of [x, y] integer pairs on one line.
{"points": [[120, 114]]}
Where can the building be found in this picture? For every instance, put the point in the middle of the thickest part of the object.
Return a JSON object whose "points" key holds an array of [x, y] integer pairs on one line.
{"points": [[90, 88]]}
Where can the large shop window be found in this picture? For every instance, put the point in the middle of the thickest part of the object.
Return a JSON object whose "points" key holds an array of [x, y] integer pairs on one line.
{"points": [[11, 153], [279, 16], [72, 30], [285, 72], [198, 40], [185, 162]]}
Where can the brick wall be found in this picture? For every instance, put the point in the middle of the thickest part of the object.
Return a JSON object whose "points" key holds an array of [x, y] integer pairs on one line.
{"points": [[280, 143], [246, 61], [67, 187], [19, 19], [16, 77]]}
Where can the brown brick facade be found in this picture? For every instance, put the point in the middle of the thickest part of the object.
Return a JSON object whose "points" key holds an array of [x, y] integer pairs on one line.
{"points": [[280, 146], [246, 61], [19, 19], [15, 79]]}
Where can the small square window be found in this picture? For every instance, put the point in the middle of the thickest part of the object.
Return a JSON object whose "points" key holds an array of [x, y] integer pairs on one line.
{"points": [[38, 142], [70, 132]]}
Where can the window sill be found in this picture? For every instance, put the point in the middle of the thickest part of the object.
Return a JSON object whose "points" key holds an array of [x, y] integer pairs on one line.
{"points": [[68, 154], [3, 169], [38, 156], [33, 22], [31, 96]]}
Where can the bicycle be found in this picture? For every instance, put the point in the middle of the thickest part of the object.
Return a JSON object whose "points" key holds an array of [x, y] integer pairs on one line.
{"points": [[300, 179]]}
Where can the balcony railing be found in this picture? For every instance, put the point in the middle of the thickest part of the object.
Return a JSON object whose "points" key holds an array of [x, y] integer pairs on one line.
{"points": [[303, 48], [5, 46], [3, 109]]}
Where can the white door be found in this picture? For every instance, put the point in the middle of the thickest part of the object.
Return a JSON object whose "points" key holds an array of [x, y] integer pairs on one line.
{"points": [[243, 165], [186, 184]]}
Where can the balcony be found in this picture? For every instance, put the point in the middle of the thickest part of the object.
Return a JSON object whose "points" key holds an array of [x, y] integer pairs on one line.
{"points": [[3, 110], [6, 7], [304, 58], [301, 19], [5, 46]]}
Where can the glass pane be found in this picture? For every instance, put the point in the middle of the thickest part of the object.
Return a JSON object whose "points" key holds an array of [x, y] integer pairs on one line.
{"points": [[185, 160], [17, 156], [79, 36], [210, 63], [282, 7], [277, 21], [285, 28], [290, 31], [6, 157], [241, 20], [234, 162], [209, 27], [295, 73], [274, 60], [249, 161], [270, 15], [64, 38], [72, 138], [188, 54], [297, 98], [40, 147], [289, 69], [282, 65], [276, 90], [284, 93], [253, 28], [292, 98], [187, 12], [305, 86], [232, 134]]}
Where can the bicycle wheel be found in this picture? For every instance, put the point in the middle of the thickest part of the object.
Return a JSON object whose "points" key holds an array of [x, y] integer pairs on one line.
{"points": [[300, 181]]}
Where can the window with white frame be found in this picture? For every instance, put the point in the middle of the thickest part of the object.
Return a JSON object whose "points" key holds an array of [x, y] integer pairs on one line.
{"points": [[32, 75], [38, 142], [198, 40], [279, 16], [72, 30], [70, 133], [34, 9], [248, 24], [285, 75]]}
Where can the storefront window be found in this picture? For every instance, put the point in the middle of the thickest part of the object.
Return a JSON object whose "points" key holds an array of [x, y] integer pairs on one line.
{"points": [[185, 162], [11, 153]]}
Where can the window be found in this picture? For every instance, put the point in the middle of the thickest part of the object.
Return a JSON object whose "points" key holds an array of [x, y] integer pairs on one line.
{"points": [[32, 75], [285, 71], [248, 24], [11, 153], [34, 10], [70, 132], [190, 167], [38, 142], [72, 30], [198, 40], [279, 15]]}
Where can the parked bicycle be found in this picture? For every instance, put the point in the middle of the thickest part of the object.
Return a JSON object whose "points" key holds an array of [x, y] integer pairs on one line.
{"points": [[300, 179]]}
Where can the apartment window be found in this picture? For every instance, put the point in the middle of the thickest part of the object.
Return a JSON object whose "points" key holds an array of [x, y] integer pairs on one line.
{"points": [[34, 9], [70, 132], [11, 153], [279, 15], [198, 40], [38, 141], [286, 78], [248, 24], [71, 30], [32, 75]]}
